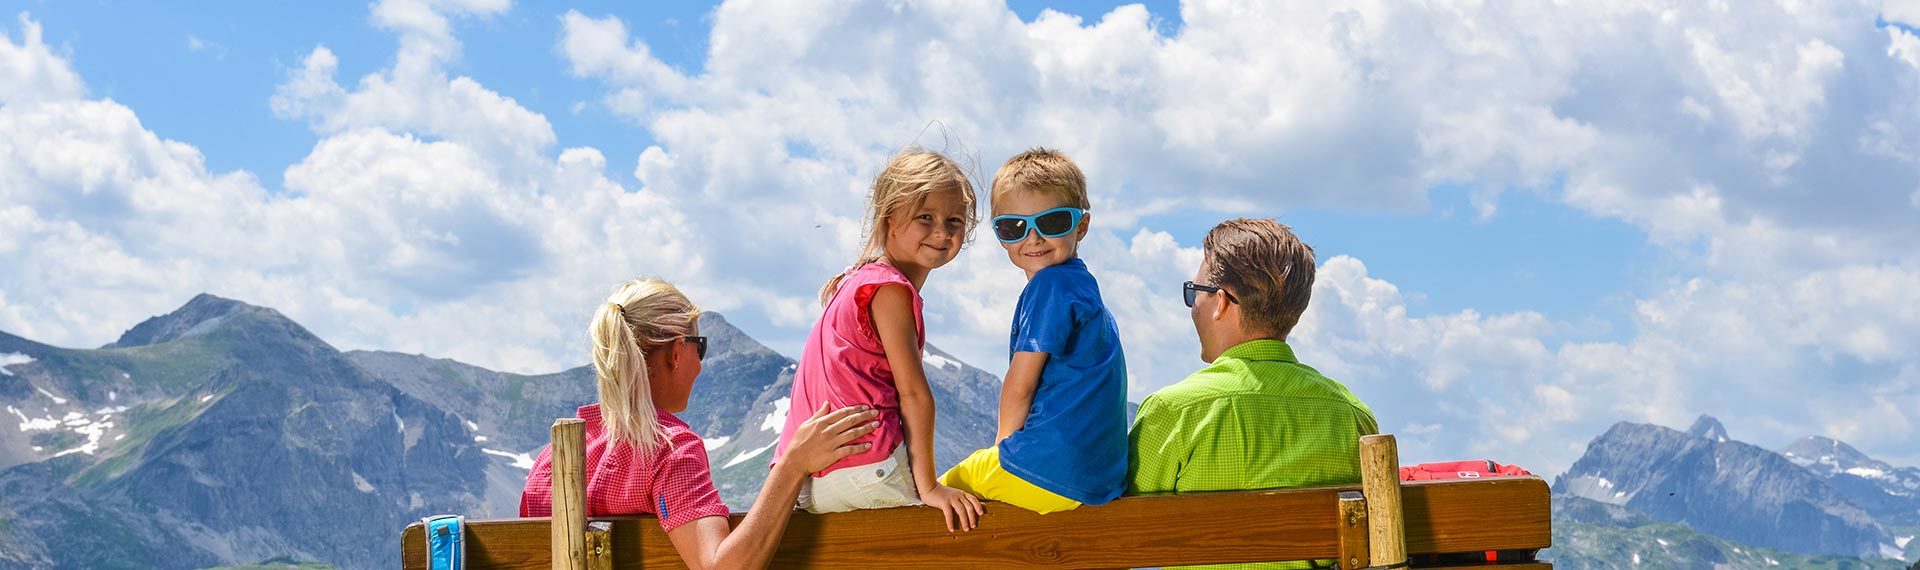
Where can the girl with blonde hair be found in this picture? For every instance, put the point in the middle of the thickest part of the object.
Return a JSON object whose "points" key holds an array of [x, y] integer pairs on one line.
{"points": [[866, 347], [641, 459]]}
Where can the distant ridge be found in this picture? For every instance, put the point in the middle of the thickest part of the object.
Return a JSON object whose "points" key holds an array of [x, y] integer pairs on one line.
{"points": [[200, 315], [220, 434], [1891, 494], [1725, 488], [223, 434]]}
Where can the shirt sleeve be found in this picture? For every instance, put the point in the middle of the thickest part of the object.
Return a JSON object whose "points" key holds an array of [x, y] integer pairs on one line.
{"points": [[1157, 450], [1047, 315], [683, 485], [863, 294]]}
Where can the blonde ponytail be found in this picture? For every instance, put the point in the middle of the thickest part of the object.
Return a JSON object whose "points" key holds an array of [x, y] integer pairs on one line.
{"points": [[640, 315], [907, 180]]}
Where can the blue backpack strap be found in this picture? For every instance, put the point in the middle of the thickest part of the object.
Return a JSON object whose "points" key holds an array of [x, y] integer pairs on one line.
{"points": [[446, 542]]}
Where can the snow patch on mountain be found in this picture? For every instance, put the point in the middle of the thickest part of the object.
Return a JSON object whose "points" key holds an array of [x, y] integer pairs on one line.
{"points": [[778, 418], [1597, 488], [94, 429], [521, 460], [745, 455], [1866, 472], [715, 442], [33, 424], [1891, 551], [940, 362], [56, 399], [10, 359]]}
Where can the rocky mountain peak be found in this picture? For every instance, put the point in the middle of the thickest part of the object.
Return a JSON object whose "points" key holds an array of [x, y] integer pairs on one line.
{"points": [[1709, 428], [723, 337], [1722, 487], [1824, 454], [203, 314]]}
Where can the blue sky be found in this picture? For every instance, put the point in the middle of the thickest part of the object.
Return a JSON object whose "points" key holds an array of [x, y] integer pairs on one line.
{"points": [[1515, 211]]}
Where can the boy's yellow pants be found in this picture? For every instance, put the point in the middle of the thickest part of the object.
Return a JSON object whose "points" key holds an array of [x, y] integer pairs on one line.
{"points": [[981, 475]]}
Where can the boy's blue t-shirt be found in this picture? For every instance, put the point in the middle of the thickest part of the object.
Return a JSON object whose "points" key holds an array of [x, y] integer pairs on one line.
{"points": [[1074, 443]]}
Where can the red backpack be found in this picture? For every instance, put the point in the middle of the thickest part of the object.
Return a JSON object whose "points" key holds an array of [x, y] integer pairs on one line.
{"points": [[1478, 469]]}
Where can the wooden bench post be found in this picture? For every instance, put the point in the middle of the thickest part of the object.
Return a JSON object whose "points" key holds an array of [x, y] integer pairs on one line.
{"points": [[569, 521], [1380, 481], [599, 545], [1353, 531]]}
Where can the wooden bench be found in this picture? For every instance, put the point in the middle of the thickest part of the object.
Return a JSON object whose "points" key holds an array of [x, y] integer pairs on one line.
{"points": [[1381, 523]]}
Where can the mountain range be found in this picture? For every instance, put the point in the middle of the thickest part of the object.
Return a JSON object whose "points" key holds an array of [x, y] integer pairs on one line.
{"points": [[1817, 497], [225, 434]]}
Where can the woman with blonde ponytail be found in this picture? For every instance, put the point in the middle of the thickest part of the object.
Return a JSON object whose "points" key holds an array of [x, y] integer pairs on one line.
{"points": [[641, 459]]}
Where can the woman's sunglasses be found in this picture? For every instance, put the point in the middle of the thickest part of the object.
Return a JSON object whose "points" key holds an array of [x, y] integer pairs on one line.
{"points": [[1051, 223], [1193, 290], [699, 346]]}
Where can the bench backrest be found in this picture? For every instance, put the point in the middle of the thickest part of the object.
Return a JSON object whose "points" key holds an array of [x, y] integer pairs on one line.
{"points": [[1465, 516]]}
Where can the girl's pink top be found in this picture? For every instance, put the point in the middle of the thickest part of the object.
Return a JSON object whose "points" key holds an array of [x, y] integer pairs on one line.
{"points": [[843, 364], [672, 483]]}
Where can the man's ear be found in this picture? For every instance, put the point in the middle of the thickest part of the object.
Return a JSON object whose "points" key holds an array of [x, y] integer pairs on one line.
{"points": [[1220, 309]]}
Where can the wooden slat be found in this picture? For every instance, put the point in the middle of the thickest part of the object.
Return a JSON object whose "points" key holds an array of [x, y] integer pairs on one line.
{"points": [[1487, 514], [1155, 530], [1137, 531]]}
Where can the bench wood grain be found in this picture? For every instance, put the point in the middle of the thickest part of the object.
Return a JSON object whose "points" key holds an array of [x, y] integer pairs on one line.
{"points": [[1151, 530]]}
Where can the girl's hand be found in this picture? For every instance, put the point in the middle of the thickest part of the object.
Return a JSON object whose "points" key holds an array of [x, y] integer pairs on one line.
{"points": [[822, 439], [955, 506]]}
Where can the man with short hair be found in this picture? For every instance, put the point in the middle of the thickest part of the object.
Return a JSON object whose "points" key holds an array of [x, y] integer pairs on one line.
{"points": [[1255, 418]]}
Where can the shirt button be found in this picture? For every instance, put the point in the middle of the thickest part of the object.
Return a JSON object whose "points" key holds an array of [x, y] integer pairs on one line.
{"points": [[879, 473]]}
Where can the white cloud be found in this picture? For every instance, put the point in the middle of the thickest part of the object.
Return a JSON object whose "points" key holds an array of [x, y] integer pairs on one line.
{"points": [[1902, 11], [381, 236], [416, 95], [197, 45], [30, 72], [1903, 45]]}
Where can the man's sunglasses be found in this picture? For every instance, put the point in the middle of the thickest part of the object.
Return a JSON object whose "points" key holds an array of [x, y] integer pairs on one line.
{"points": [[1051, 223], [1192, 290], [699, 345]]}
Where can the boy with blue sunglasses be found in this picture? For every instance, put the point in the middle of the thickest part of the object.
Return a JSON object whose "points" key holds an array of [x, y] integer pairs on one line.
{"points": [[1062, 441]]}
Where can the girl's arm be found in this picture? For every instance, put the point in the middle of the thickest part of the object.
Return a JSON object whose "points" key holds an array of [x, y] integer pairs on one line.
{"points": [[820, 441], [893, 318], [1016, 394]]}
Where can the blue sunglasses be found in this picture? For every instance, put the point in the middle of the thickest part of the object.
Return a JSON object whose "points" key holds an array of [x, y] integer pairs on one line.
{"points": [[1051, 223]]}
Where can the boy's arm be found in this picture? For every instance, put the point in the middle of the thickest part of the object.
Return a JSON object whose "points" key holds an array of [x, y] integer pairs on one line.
{"points": [[892, 311], [1016, 393], [1157, 453]]}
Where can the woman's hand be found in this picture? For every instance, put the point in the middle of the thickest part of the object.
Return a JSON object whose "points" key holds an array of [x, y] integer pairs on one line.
{"points": [[955, 506], [822, 439]]}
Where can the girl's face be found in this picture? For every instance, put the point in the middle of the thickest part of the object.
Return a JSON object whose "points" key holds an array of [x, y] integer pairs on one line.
{"points": [[928, 235], [673, 377]]}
